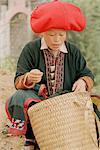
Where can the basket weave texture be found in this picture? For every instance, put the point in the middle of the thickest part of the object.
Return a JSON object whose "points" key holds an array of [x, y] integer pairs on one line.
{"points": [[64, 122]]}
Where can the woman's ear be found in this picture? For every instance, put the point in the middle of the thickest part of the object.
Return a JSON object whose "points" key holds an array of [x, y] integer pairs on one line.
{"points": [[67, 35], [41, 34]]}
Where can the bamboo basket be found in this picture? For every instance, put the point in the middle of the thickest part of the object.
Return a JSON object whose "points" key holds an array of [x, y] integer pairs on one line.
{"points": [[65, 122]]}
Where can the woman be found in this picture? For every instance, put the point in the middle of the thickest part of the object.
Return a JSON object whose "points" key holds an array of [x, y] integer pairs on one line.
{"points": [[49, 64]]}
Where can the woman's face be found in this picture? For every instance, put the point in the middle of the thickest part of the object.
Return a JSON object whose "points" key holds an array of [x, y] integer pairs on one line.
{"points": [[54, 38]]}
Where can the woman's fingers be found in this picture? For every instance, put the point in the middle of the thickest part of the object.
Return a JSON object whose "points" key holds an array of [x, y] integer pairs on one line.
{"points": [[35, 76], [79, 86], [36, 72]]}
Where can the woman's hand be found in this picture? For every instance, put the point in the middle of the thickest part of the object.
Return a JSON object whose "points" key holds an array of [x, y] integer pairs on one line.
{"points": [[79, 86], [34, 76]]}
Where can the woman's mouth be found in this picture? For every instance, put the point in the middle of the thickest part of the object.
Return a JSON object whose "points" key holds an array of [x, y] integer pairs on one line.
{"points": [[56, 45]]}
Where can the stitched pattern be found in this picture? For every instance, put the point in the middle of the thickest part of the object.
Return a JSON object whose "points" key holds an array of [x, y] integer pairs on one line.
{"points": [[54, 71]]}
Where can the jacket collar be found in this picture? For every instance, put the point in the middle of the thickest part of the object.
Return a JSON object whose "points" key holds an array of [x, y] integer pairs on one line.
{"points": [[63, 47]]}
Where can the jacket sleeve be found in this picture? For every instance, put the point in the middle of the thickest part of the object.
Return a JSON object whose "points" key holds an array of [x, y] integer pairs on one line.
{"points": [[26, 62], [21, 82], [82, 71]]}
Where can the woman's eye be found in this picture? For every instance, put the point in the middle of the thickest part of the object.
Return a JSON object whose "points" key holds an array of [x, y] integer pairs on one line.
{"points": [[61, 34], [51, 34]]}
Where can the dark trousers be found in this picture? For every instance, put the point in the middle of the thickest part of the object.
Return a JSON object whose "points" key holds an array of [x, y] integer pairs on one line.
{"points": [[29, 133]]}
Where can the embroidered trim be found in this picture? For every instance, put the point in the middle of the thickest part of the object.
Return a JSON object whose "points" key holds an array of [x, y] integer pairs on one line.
{"points": [[58, 64], [15, 129]]}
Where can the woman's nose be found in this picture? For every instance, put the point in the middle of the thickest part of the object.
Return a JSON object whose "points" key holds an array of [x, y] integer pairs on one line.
{"points": [[56, 39]]}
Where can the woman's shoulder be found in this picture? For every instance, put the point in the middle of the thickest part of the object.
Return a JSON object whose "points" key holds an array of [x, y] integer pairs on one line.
{"points": [[34, 44], [71, 47], [32, 48]]}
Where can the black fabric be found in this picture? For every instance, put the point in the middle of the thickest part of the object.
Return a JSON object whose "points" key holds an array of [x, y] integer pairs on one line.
{"points": [[96, 111], [33, 58], [16, 102], [29, 135], [98, 115], [28, 143]]}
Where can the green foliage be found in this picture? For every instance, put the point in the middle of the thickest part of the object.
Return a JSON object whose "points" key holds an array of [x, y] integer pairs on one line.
{"points": [[9, 63], [89, 40]]}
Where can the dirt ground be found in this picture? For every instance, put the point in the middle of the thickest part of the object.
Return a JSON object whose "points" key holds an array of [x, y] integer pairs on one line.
{"points": [[7, 142]]}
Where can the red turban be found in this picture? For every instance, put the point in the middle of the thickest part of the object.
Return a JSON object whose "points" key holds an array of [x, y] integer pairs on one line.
{"points": [[57, 15]]}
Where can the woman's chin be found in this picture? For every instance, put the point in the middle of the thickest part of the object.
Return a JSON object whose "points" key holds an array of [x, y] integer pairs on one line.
{"points": [[54, 48]]}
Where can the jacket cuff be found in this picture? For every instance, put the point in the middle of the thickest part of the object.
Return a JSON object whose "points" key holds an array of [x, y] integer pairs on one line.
{"points": [[21, 82], [89, 82], [26, 84]]}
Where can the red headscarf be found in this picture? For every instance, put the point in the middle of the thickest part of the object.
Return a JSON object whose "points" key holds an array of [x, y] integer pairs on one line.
{"points": [[57, 15]]}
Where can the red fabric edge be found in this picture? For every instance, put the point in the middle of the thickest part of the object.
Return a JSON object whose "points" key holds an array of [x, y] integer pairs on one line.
{"points": [[15, 131], [26, 104], [7, 111]]}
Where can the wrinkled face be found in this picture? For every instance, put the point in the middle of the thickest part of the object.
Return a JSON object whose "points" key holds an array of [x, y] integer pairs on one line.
{"points": [[54, 38]]}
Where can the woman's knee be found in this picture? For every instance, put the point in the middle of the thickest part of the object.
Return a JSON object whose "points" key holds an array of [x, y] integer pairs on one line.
{"points": [[24, 94], [19, 96]]}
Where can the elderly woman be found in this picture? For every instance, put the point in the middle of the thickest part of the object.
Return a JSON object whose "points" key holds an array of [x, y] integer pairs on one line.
{"points": [[48, 65]]}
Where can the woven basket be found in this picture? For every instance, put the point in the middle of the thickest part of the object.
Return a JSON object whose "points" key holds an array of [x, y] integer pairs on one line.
{"points": [[64, 122]]}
